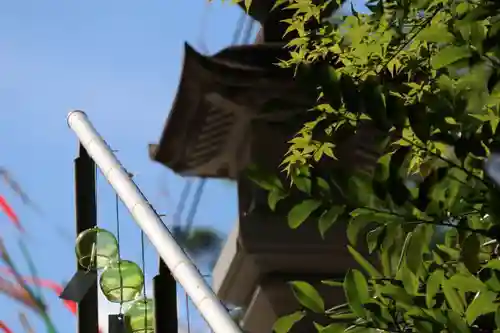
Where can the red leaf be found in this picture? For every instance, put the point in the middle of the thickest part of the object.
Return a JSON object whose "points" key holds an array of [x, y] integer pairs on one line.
{"points": [[4, 327], [16, 292], [44, 283], [10, 213]]}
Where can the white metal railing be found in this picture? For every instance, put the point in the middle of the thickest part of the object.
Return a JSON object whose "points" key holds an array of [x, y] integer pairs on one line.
{"points": [[184, 271]]}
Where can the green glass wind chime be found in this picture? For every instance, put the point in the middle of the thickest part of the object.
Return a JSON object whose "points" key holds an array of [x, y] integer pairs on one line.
{"points": [[121, 281]]}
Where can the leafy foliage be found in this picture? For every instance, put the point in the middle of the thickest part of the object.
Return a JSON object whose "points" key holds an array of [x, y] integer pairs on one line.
{"points": [[422, 78]]}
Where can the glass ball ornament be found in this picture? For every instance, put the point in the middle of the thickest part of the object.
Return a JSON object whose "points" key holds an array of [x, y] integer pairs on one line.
{"points": [[237, 313], [96, 248], [140, 316], [121, 281]]}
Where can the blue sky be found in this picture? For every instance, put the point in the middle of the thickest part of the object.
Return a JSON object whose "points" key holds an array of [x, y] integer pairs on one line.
{"points": [[120, 61]]}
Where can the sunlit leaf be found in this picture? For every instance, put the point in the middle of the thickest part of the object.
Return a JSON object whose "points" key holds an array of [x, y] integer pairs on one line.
{"points": [[433, 286], [332, 328], [450, 55], [452, 297], [365, 264], [301, 212], [275, 196], [482, 304], [356, 291], [285, 323], [308, 296]]}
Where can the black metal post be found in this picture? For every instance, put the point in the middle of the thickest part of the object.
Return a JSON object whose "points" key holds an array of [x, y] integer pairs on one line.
{"points": [[86, 217], [165, 299]]}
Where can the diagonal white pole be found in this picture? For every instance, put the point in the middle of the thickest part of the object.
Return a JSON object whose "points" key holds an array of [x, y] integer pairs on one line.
{"points": [[180, 265]]}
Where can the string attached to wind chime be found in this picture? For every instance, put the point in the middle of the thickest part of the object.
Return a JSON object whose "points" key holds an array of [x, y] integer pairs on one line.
{"points": [[121, 281], [140, 313]]}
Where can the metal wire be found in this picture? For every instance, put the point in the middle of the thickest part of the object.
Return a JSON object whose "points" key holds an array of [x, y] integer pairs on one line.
{"points": [[239, 27], [247, 35], [117, 212], [143, 262], [182, 201], [194, 206], [203, 28], [188, 316]]}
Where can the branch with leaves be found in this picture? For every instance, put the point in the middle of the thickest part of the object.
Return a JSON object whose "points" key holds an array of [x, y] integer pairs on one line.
{"points": [[425, 76]]}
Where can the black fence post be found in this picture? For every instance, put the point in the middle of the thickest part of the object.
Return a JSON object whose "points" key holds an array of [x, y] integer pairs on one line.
{"points": [[165, 300], [86, 217]]}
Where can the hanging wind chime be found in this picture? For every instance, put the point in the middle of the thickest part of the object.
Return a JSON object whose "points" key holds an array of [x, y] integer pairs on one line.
{"points": [[121, 281], [96, 248]]}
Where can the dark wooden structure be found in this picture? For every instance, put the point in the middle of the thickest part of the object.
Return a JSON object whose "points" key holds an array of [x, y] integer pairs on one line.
{"points": [[237, 108], [224, 105]]}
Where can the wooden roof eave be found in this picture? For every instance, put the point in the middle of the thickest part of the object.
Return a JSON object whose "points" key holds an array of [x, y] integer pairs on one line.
{"points": [[219, 73]]}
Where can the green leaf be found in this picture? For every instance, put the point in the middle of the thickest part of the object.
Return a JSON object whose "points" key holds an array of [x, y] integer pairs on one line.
{"points": [[275, 196], [332, 328], [373, 238], [450, 55], [285, 323], [391, 247], [301, 212], [302, 183], [482, 304], [433, 286], [466, 283], [333, 283], [419, 122], [365, 264], [356, 225], [470, 253], [386, 261], [423, 326], [398, 294], [493, 264], [328, 218], [410, 280], [419, 240], [308, 296], [497, 317], [452, 297], [356, 291], [378, 313], [435, 33], [456, 323], [318, 327], [382, 168], [343, 317], [452, 253], [402, 256], [264, 180], [323, 186]]}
